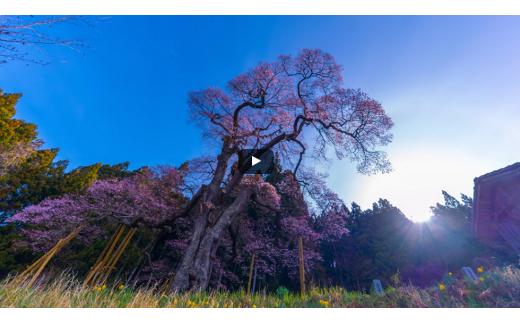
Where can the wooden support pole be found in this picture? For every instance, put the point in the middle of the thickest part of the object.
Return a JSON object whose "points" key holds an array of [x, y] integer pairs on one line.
{"points": [[166, 287], [117, 254], [100, 258], [94, 273], [42, 262], [302, 269], [254, 281], [251, 273], [54, 250], [32, 267]]}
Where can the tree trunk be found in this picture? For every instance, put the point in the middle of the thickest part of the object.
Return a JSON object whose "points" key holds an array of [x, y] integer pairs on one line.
{"points": [[197, 262]]}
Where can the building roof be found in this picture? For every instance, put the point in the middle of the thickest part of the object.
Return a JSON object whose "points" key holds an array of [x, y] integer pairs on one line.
{"points": [[498, 173]]}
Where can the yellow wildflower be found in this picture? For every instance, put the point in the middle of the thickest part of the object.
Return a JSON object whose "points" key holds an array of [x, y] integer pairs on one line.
{"points": [[441, 287], [481, 278], [276, 304], [324, 303], [340, 289], [450, 274], [225, 305], [121, 287], [480, 270], [103, 287], [254, 306], [207, 303]]}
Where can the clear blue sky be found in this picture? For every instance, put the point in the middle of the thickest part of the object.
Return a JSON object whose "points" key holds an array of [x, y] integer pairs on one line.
{"points": [[450, 84]]}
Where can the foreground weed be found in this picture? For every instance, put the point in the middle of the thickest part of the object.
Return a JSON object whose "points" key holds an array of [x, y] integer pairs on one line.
{"points": [[496, 288]]}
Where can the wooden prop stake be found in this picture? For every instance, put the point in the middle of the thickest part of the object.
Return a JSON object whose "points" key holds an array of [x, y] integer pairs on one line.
{"points": [[251, 273], [165, 289], [106, 261], [43, 265], [109, 244], [42, 262], [117, 254], [302, 269], [96, 270]]}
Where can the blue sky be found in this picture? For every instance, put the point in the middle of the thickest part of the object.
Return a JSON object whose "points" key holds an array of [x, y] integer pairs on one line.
{"points": [[450, 83]]}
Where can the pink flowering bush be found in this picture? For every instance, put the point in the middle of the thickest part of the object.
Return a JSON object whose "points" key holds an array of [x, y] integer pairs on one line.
{"points": [[155, 193]]}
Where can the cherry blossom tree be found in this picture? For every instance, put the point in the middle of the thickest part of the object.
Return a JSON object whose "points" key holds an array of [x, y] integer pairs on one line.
{"points": [[272, 106]]}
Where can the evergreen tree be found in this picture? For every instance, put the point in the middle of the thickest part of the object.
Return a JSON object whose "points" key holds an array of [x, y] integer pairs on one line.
{"points": [[28, 175], [18, 139], [376, 247], [118, 171]]}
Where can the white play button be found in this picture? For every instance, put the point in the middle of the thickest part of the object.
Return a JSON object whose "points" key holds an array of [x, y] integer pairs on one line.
{"points": [[255, 160]]}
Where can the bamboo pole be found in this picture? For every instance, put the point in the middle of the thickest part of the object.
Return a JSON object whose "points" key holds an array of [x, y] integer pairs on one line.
{"points": [[254, 280], [94, 273], [167, 285], [117, 254], [57, 248], [100, 258], [32, 267], [251, 273], [302, 270], [54, 250], [42, 262]]}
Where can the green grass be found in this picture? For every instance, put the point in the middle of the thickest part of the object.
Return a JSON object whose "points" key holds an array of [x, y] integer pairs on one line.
{"points": [[500, 288]]}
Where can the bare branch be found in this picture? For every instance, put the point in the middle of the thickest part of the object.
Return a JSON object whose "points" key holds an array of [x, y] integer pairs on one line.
{"points": [[17, 32]]}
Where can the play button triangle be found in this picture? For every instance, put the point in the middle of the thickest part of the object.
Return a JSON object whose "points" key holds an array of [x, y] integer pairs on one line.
{"points": [[255, 160]]}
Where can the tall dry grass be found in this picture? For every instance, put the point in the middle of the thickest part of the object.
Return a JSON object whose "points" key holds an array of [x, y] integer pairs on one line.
{"points": [[500, 287]]}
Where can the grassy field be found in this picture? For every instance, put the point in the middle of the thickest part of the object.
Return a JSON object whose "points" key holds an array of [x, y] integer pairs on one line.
{"points": [[499, 287]]}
